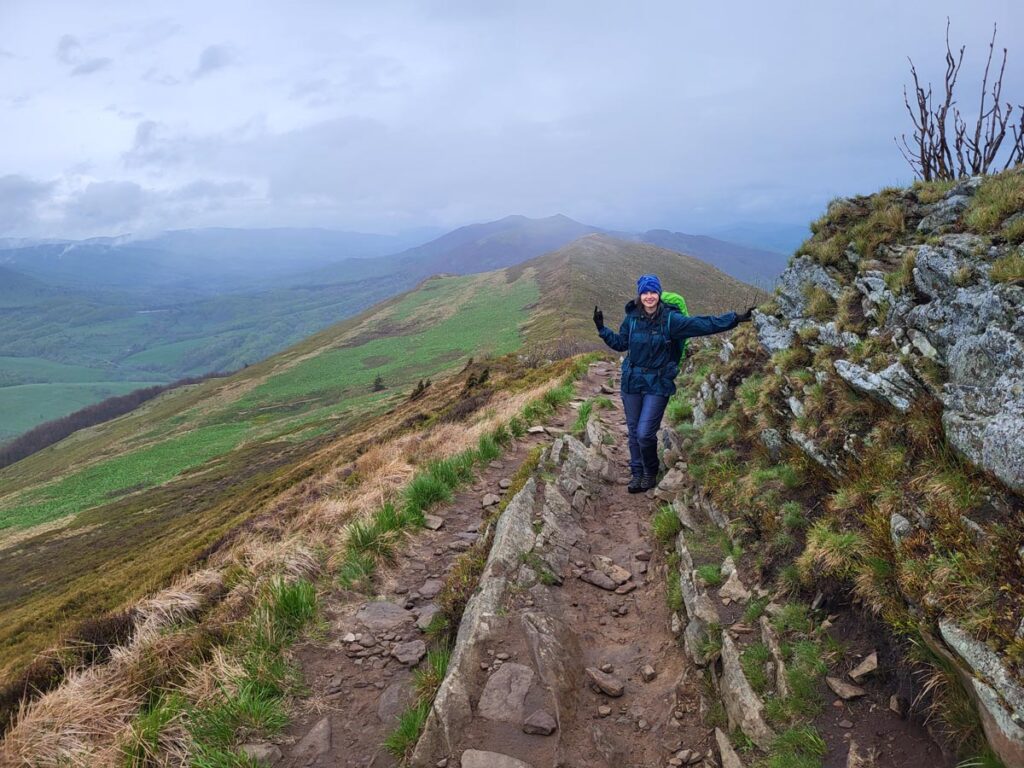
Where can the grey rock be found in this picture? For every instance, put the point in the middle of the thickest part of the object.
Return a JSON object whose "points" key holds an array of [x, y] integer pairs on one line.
{"points": [[920, 341], [475, 758], [540, 723], [773, 334], [314, 744], [844, 690], [733, 587], [382, 616], [772, 440], [802, 273], [899, 528], [265, 754], [452, 711], [599, 579], [700, 611], [986, 665], [944, 213], [432, 522], [608, 684], [865, 668], [796, 407], [812, 451], [741, 703], [427, 614], [430, 588], [394, 701], [410, 652], [771, 640], [893, 386], [729, 757], [503, 695], [489, 500], [609, 568]]}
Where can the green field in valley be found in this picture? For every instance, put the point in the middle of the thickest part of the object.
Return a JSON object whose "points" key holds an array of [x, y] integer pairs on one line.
{"points": [[27, 405]]}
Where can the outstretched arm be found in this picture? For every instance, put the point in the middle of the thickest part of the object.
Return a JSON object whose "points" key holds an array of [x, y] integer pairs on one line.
{"points": [[683, 327]]}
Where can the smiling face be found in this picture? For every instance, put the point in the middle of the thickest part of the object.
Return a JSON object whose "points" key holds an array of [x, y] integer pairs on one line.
{"points": [[650, 300]]}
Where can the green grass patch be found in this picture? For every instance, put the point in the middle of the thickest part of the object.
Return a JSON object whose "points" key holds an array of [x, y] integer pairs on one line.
{"points": [[665, 525], [753, 659], [999, 196], [1006, 269], [582, 417], [710, 574], [93, 485], [401, 741]]}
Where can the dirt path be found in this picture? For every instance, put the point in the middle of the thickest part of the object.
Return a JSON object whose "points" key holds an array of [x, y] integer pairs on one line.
{"points": [[567, 654]]}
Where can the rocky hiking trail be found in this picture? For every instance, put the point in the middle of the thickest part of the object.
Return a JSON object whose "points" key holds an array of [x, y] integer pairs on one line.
{"points": [[568, 653]]}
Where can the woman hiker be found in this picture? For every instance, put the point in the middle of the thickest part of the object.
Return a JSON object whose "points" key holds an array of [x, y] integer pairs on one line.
{"points": [[652, 334]]}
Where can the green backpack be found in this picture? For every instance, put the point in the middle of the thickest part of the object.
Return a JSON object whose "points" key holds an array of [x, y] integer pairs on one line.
{"points": [[677, 301]]}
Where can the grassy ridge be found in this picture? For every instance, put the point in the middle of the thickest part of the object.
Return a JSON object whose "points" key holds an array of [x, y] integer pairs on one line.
{"points": [[138, 498]]}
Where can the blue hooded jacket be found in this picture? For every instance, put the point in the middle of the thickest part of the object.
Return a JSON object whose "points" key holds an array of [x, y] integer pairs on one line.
{"points": [[652, 362]]}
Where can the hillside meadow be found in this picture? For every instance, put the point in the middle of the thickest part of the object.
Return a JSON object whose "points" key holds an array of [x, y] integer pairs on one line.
{"points": [[125, 505]]}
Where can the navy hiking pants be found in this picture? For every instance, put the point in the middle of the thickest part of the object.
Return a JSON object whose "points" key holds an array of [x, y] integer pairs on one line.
{"points": [[643, 418]]}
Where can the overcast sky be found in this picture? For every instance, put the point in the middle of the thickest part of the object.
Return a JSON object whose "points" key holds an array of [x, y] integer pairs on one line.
{"points": [[377, 116]]}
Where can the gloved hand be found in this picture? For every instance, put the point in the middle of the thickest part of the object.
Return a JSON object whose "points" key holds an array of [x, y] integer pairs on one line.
{"points": [[598, 318], [744, 317]]}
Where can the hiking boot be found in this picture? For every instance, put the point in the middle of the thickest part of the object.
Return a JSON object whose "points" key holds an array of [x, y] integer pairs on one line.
{"points": [[648, 482], [635, 485]]}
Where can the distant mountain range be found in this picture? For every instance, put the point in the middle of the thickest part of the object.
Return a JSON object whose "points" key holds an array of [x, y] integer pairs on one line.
{"points": [[189, 302]]}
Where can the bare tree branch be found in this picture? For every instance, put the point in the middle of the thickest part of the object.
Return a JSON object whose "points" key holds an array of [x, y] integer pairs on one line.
{"points": [[938, 151]]}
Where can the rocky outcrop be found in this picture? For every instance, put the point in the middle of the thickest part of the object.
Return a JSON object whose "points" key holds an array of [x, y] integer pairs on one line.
{"points": [[893, 386], [452, 709]]}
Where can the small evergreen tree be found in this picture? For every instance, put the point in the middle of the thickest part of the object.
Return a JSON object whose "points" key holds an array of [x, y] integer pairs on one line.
{"points": [[378, 384]]}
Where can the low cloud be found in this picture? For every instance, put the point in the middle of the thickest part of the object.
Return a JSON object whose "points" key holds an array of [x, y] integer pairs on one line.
{"points": [[69, 50], [204, 189], [19, 198], [90, 66], [105, 204], [71, 53], [213, 58]]}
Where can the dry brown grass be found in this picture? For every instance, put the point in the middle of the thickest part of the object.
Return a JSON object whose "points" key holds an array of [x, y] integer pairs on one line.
{"points": [[83, 722]]}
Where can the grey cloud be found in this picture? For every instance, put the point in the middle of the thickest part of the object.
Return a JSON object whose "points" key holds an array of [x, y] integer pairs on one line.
{"points": [[153, 75], [212, 58], [4, 54], [204, 189], [19, 197], [90, 66], [106, 204], [152, 147], [69, 50]]}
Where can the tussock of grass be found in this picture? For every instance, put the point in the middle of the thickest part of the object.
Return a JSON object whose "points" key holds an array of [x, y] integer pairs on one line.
{"points": [[1009, 268], [410, 725], [665, 525], [998, 197], [710, 574], [830, 553], [582, 416], [929, 192], [753, 659]]}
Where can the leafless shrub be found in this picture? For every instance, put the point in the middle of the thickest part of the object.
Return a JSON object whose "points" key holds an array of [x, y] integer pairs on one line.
{"points": [[938, 150]]}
